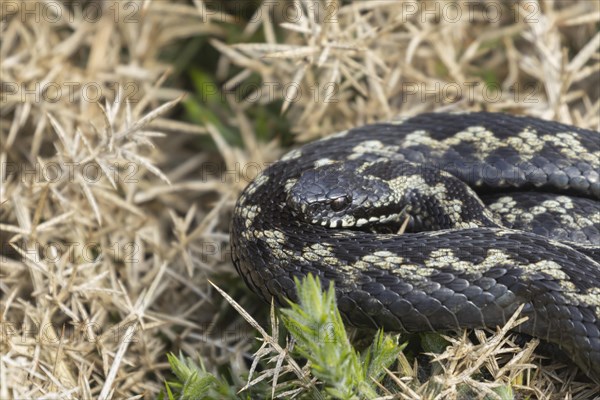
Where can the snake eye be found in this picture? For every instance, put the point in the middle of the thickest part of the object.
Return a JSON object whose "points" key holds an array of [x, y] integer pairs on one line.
{"points": [[340, 203]]}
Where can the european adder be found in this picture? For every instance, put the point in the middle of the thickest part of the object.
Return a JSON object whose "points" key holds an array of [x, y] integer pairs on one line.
{"points": [[501, 211]]}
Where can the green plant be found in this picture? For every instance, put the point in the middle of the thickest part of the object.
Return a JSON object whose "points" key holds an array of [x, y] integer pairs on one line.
{"points": [[318, 336], [192, 382], [316, 325]]}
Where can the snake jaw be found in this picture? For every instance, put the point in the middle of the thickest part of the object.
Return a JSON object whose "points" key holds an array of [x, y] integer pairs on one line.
{"points": [[345, 222], [349, 221]]}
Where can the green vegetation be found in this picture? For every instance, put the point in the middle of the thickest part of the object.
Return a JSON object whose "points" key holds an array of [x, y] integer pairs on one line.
{"points": [[333, 368]]}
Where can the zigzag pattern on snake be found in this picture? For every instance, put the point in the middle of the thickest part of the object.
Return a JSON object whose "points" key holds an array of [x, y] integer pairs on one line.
{"points": [[502, 211]]}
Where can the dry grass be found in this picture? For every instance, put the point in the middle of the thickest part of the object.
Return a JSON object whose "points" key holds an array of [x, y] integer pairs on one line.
{"points": [[373, 60], [108, 232]]}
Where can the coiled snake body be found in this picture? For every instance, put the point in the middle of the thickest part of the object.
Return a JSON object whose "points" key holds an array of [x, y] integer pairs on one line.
{"points": [[502, 211]]}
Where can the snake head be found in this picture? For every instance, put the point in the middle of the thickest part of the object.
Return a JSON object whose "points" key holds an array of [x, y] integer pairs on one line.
{"points": [[336, 195]]}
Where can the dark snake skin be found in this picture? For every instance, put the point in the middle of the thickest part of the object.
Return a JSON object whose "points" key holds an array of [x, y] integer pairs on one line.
{"points": [[333, 207]]}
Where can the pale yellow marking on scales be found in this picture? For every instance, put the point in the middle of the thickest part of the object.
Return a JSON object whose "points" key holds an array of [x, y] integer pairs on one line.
{"points": [[257, 183], [453, 207], [292, 155], [591, 297], [249, 213], [571, 147], [336, 135], [528, 143]]}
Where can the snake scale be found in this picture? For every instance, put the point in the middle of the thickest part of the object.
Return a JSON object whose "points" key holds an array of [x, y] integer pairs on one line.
{"points": [[496, 211]]}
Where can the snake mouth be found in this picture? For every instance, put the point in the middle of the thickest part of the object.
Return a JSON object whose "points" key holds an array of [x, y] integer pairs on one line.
{"points": [[346, 221], [349, 221]]}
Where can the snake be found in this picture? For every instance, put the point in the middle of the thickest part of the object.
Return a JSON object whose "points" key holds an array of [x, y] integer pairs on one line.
{"points": [[437, 222]]}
